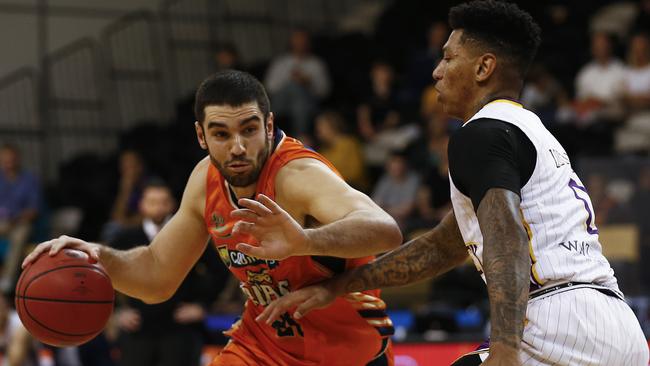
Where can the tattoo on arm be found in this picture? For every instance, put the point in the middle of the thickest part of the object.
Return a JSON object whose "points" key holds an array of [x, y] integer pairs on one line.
{"points": [[506, 264], [429, 255]]}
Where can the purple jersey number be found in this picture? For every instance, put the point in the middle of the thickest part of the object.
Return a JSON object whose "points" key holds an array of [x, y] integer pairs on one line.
{"points": [[581, 193]]}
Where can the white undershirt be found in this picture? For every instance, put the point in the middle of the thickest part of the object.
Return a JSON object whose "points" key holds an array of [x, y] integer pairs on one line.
{"points": [[151, 229]]}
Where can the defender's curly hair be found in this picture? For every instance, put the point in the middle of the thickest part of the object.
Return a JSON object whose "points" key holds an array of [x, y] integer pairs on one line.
{"points": [[499, 27]]}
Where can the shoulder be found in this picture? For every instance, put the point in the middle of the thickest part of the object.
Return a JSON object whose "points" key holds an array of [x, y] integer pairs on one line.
{"points": [[200, 171], [302, 178], [302, 169], [194, 194], [480, 131]]}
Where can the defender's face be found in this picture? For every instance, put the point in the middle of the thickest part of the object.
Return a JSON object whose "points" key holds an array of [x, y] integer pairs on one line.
{"points": [[454, 76], [236, 140]]}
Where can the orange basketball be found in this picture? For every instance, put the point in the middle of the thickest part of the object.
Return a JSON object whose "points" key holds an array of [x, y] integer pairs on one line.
{"points": [[64, 300]]}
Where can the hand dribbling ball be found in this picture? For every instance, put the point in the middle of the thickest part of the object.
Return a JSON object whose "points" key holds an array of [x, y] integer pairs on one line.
{"points": [[64, 300]]}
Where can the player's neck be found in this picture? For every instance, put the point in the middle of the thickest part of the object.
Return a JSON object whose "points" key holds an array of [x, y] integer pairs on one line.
{"points": [[481, 101], [244, 192]]}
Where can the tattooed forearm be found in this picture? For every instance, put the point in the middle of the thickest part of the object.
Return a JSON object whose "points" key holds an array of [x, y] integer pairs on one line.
{"points": [[506, 264], [429, 255]]}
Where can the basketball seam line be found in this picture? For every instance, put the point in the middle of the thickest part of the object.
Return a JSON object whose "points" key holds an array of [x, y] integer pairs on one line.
{"points": [[63, 300]]}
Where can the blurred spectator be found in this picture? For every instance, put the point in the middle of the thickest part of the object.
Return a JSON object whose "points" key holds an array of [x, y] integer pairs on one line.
{"points": [[20, 200], [642, 20], [602, 202], [599, 89], [169, 333], [397, 189], [428, 154], [125, 211], [542, 94], [379, 121], [421, 68], [635, 135], [341, 149], [226, 57], [17, 347], [564, 41], [609, 199], [429, 150], [380, 110], [614, 17], [433, 198], [599, 84], [297, 82]]}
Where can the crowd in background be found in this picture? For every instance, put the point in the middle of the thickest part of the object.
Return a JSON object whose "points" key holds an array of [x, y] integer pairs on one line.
{"points": [[377, 119]]}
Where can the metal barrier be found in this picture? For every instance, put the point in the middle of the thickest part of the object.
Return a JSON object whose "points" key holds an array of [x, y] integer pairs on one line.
{"points": [[194, 27], [135, 69], [189, 32], [78, 117], [258, 28], [20, 124], [95, 90]]}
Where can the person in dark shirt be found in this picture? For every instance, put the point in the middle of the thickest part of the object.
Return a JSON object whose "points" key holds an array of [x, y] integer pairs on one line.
{"points": [[20, 200], [169, 333]]}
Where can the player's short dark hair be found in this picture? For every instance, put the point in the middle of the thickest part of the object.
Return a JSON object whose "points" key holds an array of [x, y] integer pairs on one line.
{"points": [[500, 27], [233, 88]]}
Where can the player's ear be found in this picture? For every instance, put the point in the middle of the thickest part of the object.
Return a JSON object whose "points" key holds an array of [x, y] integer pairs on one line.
{"points": [[269, 126], [485, 66], [200, 135]]}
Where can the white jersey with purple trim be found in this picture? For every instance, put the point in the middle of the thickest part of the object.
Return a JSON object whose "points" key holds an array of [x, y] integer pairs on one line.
{"points": [[576, 314], [556, 210]]}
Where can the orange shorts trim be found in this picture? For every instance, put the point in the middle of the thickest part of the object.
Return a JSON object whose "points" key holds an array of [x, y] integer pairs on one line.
{"points": [[236, 354]]}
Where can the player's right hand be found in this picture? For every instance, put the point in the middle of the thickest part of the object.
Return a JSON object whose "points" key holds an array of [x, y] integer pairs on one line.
{"points": [[306, 299], [55, 245]]}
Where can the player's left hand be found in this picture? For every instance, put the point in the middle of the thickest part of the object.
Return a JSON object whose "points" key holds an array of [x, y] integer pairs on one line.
{"points": [[305, 300], [278, 234]]}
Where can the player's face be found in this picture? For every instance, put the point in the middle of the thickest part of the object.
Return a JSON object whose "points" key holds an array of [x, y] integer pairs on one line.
{"points": [[238, 140], [454, 76]]}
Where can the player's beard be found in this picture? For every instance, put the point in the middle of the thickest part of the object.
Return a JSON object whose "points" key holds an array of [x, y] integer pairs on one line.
{"points": [[244, 180]]}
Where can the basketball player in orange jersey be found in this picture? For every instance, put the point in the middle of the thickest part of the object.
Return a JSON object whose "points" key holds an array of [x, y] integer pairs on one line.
{"points": [[303, 213]]}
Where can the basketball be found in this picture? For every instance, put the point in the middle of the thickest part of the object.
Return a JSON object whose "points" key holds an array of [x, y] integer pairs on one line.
{"points": [[64, 300]]}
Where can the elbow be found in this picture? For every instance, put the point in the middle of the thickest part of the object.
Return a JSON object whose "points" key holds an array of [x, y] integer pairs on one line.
{"points": [[392, 235], [156, 296]]}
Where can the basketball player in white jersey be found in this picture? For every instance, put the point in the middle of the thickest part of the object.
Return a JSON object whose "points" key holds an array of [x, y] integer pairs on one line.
{"points": [[519, 210]]}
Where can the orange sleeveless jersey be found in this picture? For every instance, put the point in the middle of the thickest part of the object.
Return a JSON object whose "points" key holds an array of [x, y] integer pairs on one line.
{"points": [[352, 331]]}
